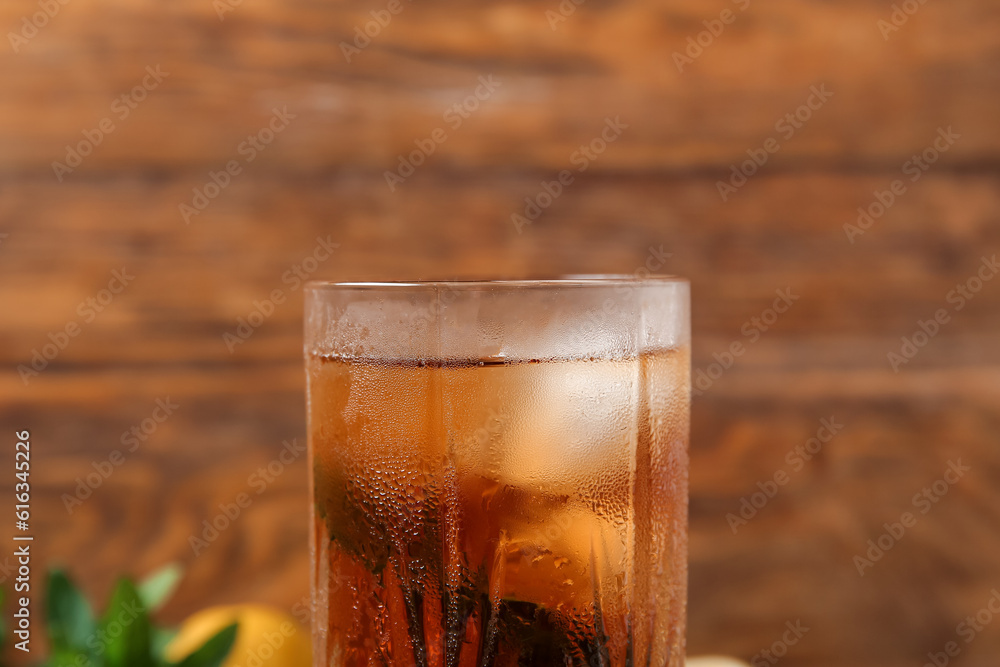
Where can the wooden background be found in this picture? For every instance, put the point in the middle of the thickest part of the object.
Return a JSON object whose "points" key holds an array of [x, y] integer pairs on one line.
{"points": [[323, 176]]}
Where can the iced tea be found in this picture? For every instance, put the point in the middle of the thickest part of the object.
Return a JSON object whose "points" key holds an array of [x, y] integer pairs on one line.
{"points": [[499, 511]]}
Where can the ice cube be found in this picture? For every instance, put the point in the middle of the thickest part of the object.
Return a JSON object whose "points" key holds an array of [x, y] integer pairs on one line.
{"points": [[574, 423]]}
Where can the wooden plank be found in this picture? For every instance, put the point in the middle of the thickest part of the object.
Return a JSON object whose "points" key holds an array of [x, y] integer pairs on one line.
{"points": [[193, 282], [909, 602], [141, 512], [655, 186], [558, 86], [793, 560]]}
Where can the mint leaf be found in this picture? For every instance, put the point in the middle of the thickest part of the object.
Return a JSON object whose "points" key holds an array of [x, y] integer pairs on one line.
{"points": [[157, 588], [160, 639], [67, 659], [125, 633], [70, 619], [214, 652]]}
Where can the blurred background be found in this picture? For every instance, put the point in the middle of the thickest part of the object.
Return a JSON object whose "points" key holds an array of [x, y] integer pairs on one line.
{"points": [[827, 174]]}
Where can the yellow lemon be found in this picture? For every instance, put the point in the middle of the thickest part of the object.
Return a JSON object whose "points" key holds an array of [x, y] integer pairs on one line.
{"points": [[266, 637]]}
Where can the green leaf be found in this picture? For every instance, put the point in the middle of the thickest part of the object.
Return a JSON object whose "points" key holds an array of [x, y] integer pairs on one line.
{"points": [[157, 588], [161, 637], [125, 632], [70, 619], [213, 653], [68, 659]]}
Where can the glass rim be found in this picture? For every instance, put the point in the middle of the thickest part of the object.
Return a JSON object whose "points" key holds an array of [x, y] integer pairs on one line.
{"points": [[574, 281]]}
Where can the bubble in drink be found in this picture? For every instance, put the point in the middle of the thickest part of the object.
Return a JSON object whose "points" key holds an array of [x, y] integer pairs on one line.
{"points": [[500, 512]]}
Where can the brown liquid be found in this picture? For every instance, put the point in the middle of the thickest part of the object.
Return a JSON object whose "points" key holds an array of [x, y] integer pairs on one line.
{"points": [[496, 513]]}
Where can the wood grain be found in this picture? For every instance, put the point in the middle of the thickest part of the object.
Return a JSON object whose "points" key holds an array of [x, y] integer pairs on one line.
{"points": [[558, 86], [826, 357], [654, 188], [780, 231]]}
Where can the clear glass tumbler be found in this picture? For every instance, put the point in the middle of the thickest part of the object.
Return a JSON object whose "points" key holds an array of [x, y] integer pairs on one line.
{"points": [[499, 472]]}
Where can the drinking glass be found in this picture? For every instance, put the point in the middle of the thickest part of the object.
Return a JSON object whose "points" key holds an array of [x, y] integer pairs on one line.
{"points": [[499, 471]]}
